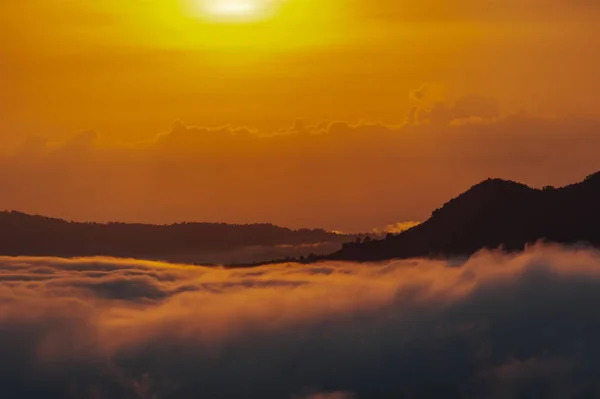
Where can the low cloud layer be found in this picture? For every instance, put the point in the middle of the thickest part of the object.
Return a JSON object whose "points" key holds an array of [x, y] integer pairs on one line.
{"points": [[493, 326]]}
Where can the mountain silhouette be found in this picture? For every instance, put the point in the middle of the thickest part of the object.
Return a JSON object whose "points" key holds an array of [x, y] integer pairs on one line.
{"points": [[30, 235], [492, 214]]}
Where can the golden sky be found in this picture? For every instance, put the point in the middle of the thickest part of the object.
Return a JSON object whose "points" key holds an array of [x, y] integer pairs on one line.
{"points": [[346, 114]]}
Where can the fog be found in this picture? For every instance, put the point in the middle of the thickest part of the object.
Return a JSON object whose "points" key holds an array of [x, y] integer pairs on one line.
{"points": [[492, 326]]}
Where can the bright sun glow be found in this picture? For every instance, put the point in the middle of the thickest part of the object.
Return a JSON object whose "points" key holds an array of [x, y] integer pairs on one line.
{"points": [[233, 10]]}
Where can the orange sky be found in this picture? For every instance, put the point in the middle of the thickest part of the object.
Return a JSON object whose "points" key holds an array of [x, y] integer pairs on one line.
{"points": [[466, 89]]}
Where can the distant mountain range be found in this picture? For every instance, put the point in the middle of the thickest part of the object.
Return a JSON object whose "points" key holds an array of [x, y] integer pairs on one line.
{"points": [[28, 235], [492, 214]]}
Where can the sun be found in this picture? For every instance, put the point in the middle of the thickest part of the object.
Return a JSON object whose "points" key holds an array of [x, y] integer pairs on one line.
{"points": [[251, 29], [232, 10]]}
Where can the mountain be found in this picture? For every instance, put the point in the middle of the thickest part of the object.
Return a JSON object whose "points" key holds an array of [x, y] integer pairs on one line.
{"points": [[492, 214], [30, 235]]}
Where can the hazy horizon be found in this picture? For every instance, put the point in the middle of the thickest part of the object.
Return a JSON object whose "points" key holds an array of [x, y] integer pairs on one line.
{"points": [[82, 178]]}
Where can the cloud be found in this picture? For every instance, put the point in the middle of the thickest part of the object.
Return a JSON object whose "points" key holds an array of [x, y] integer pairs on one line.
{"points": [[494, 325], [396, 228], [181, 135], [333, 174], [430, 107]]}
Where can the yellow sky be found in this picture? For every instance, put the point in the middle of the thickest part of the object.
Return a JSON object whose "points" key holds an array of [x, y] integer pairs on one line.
{"points": [[129, 68]]}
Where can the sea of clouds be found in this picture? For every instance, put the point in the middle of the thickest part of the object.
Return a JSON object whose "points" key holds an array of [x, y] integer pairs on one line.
{"points": [[522, 325]]}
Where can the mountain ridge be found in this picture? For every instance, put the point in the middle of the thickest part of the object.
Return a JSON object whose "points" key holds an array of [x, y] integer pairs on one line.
{"points": [[492, 214], [22, 234]]}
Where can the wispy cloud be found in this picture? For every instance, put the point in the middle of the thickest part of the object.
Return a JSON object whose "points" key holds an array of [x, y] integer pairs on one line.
{"points": [[396, 228]]}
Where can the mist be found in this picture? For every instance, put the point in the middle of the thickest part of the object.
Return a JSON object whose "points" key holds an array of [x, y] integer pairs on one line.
{"points": [[494, 325]]}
